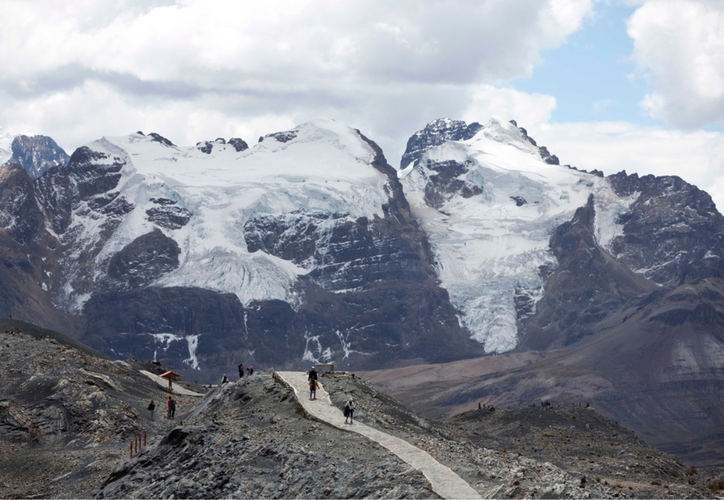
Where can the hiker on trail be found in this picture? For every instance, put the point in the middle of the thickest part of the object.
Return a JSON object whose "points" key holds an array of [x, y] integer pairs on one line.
{"points": [[313, 386], [241, 370], [173, 409], [349, 407], [225, 379], [312, 374], [151, 407], [251, 371], [168, 407]]}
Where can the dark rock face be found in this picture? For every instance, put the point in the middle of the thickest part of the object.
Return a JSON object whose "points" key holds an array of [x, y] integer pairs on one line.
{"points": [[436, 133], [205, 147], [19, 213], [238, 144], [519, 200], [548, 157], [159, 138], [281, 136], [544, 153], [293, 237], [587, 286], [672, 233], [169, 216], [37, 154], [93, 172], [144, 260], [671, 237], [445, 183]]}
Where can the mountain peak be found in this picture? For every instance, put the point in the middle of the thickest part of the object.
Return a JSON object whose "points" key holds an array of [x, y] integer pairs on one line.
{"points": [[321, 130], [435, 133], [35, 154]]}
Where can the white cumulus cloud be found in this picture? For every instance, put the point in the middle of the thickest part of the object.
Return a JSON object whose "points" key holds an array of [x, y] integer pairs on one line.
{"points": [[231, 67], [679, 48]]}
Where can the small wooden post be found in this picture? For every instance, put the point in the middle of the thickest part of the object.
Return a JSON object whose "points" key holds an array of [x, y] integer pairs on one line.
{"points": [[170, 375], [131, 449], [144, 438]]}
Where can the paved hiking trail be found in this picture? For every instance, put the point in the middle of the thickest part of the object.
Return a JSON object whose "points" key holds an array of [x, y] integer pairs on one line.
{"points": [[443, 480]]}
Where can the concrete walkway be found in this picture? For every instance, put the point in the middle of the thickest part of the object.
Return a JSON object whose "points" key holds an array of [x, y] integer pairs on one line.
{"points": [[443, 480]]}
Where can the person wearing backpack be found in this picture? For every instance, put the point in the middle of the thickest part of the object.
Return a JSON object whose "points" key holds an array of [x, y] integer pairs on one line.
{"points": [[313, 386], [151, 407], [348, 411]]}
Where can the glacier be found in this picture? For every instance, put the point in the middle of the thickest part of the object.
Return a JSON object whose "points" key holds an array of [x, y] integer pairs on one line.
{"points": [[490, 246], [321, 166]]}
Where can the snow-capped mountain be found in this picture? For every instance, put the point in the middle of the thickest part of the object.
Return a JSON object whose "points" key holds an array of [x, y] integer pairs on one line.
{"points": [[490, 205], [214, 206], [35, 154], [308, 246], [299, 249], [498, 210]]}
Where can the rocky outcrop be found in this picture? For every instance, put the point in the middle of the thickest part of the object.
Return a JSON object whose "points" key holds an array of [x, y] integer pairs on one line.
{"points": [[672, 233], [585, 288], [445, 183], [37, 154], [144, 260], [435, 133]]}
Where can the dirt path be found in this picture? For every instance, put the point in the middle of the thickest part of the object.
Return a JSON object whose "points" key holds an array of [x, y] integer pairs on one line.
{"points": [[443, 480]]}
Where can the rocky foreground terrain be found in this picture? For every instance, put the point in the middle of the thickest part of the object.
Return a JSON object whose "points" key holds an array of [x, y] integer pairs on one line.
{"points": [[68, 414]]}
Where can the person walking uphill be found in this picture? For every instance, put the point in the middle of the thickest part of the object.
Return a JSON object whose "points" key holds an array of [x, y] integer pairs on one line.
{"points": [[349, 407], [312, 374], [241, 370], [151, 407]]}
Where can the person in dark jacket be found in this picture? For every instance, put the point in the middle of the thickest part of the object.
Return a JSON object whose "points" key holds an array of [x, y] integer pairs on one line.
{"points": [[151, 407], [312, 375], [241, 370], [349, 407]]}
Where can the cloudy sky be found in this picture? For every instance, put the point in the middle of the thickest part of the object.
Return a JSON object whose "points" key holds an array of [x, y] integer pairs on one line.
{"points": [[607, 84]]}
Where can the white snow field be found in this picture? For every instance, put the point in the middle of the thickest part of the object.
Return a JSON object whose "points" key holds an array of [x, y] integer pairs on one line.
{"points": [[486, 246]]}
